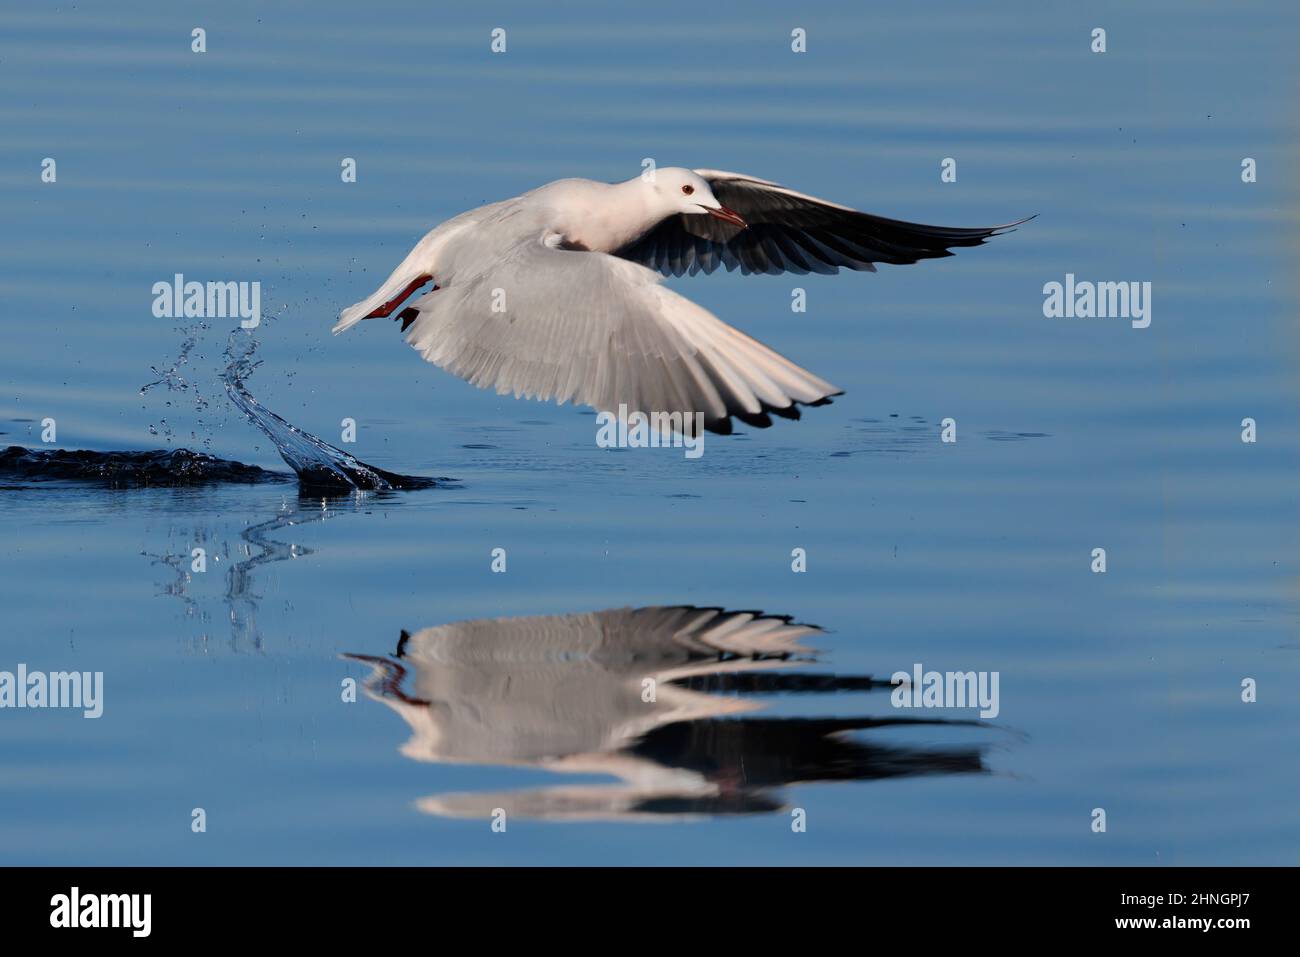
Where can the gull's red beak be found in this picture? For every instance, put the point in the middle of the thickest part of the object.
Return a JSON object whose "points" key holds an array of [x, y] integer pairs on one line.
{"points": [[726, 215]]}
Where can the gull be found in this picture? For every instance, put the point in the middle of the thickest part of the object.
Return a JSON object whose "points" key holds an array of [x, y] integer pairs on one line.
{"points": [[557, 293]]}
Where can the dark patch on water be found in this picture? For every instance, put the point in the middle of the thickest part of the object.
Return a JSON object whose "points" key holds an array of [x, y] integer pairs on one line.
{"points": [[162, 468], [336, 478]]}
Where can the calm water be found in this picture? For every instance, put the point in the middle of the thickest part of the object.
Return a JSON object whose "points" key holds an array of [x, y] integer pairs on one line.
{"points": [[224, 689]]}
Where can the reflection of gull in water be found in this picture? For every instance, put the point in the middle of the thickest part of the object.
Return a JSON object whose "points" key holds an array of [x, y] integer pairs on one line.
{"points": [[656, 697]]}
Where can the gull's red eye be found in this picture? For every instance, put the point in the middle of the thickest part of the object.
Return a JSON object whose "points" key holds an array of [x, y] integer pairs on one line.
{"points": [[688, 190]]}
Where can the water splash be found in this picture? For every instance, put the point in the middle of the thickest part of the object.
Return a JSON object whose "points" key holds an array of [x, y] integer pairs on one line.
{"points": [[320, 467], [171, 375], [318, 464]]}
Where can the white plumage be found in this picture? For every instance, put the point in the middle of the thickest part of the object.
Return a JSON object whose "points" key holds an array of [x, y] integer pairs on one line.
{"points": [[548, 295]]}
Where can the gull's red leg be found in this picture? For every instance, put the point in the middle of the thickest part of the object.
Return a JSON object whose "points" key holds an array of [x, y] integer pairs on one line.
{"points": [[387, 308], [410, 314]]}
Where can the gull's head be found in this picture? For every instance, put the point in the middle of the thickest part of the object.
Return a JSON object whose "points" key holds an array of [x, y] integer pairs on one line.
{"points": [[678, 190]]}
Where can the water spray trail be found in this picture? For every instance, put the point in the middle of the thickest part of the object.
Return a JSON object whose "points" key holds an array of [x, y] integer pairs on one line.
{"points": [[318, 464]]}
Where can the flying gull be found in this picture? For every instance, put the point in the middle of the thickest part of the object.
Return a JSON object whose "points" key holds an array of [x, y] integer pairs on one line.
{"points": [[557, 294]]}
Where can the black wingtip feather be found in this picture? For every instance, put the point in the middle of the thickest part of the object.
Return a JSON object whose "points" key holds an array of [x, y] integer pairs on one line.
{"points": [[760, 420], [763, 419]]}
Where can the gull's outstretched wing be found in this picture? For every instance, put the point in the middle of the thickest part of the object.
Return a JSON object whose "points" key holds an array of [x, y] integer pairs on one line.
{"points": [[543, 322], [790, 232]]}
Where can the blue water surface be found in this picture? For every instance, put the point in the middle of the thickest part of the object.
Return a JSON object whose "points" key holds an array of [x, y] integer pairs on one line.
{"points": [[225, 689]]}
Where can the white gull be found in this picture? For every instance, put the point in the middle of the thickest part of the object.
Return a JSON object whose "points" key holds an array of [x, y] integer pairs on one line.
{"points": [[557, 294]]}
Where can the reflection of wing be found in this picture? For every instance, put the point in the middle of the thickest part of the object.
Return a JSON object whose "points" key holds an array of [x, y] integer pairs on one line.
{"points": [[771, 752], [616, 638], [790, 232], [713, 767], [528, 689], [544, 689], [589, 328]]}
